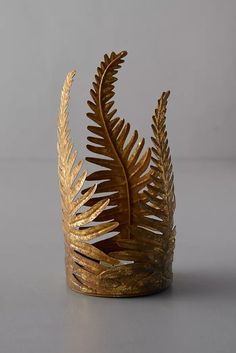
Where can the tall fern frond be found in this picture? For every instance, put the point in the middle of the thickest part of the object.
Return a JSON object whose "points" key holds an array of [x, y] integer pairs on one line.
{"points": [[71, 183], [124, 173], [158, 223]]}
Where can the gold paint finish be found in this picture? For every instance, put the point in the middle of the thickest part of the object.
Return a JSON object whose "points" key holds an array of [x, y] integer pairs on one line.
{"points": [[139, 199]]}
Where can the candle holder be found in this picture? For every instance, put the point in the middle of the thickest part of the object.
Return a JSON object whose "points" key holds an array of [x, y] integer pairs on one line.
{"points": [[119, 233]]}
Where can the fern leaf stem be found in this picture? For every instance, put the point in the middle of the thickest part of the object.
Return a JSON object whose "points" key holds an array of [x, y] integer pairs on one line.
{"points": [[116, 153]]}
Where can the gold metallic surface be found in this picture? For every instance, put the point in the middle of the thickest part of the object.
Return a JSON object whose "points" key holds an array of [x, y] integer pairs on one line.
{"points": [[139, 199]]}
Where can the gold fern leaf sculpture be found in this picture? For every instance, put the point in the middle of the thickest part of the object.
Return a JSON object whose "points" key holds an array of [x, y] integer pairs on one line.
{"points": [[132, 197]]}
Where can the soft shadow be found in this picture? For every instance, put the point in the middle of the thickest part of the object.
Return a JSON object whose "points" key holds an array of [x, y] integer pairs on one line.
{"points": [[197, 284]]}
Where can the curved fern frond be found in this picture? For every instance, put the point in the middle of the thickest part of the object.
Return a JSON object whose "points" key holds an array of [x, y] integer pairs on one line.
{"points": [[158, 224], [124, 175], [71, 184]]}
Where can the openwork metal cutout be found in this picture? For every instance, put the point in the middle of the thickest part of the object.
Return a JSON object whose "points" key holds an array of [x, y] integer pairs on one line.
{"points": [[136, 258]]}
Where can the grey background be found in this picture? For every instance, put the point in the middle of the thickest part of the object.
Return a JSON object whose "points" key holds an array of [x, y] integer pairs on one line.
{"points": [[185, 46]]}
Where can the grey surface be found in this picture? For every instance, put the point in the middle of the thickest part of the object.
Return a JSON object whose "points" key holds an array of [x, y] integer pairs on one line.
{"points": [[186, 46], [39, 314]]}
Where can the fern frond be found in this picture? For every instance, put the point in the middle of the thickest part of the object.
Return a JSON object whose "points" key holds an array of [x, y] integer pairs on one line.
{"points": [[158, 224], [71, 183], [124, 175]]}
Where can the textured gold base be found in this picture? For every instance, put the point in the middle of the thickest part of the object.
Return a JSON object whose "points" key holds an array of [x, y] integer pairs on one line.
{"points": [[132, 280], [121, 294]]}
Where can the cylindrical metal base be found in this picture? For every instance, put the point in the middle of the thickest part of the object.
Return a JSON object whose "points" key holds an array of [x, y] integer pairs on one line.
{"points": [[90, 277]]}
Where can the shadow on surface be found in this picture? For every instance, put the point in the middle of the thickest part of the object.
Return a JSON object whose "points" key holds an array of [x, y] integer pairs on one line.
{"points": [[195, 285]]}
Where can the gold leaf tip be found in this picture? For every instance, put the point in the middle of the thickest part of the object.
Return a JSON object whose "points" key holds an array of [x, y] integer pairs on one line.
{"points": [[123, 53], [166, 94], [72, 73]]}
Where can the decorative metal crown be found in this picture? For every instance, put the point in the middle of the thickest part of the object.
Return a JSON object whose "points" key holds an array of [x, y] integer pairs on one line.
{"points": [[139, 199]]}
